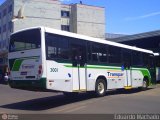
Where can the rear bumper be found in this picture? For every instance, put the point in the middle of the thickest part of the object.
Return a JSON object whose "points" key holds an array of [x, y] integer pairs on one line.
{"points": [[38, 85]]}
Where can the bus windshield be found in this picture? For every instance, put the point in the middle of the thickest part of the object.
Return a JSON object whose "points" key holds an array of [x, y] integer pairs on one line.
{"points": [[25, 40]]}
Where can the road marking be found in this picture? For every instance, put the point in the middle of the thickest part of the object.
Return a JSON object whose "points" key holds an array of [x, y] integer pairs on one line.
{"points": [[75, 109], [70, 108], [60, 110], [73, 106]]}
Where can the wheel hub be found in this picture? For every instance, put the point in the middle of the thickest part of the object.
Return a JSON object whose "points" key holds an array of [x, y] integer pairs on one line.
{"points": [[101, 88]]}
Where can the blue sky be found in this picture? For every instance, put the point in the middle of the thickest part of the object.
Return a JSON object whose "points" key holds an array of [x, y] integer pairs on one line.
{"points": [[127, 16]]}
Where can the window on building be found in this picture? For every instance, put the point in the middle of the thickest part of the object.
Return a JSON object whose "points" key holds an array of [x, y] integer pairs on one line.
{"points": [[65, 27], [4, 12], [4, 28], [0, 30], [0, 15], [10, 9], [65, 13]]}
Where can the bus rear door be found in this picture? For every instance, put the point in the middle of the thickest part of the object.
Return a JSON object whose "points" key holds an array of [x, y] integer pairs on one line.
{"points": [[78, 52], [127, 68]]}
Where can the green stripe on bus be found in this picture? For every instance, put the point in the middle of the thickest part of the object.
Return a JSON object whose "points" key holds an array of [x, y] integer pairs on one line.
{"points": [[92, 67], [18, 62], [17, 65], [95, 67], [106, 67], [144, 71]]}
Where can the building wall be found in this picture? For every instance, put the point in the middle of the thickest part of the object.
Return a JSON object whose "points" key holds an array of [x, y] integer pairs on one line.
{"points": [[65, 20], [89, 20], [73, 18], [6, 15], [38, 13]]}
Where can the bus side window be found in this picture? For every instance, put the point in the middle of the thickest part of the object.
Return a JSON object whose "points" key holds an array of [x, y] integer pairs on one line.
{"points": [[114, 54], [103, 53], [63, 48], [74, 56], [95, 51], [137, 59], [57, 47], [89, 52], [99, 52], [126, 58], [151, 61], [51, 46], [145, 57], [78, 52]]}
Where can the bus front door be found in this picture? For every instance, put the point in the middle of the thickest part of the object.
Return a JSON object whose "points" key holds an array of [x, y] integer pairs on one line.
{"points": [[79, 67], [127, 69]]}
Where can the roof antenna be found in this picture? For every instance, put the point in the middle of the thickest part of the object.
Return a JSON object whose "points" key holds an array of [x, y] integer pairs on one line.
{"points": [[81, 2]]}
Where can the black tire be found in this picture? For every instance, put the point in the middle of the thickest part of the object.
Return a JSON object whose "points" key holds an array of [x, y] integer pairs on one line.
{"points": [[100, 88], [70, 94], [145, 84]]}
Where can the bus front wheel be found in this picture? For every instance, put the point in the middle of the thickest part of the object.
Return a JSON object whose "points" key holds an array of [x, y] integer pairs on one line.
{"points": [[145, 84], [100, 88]]}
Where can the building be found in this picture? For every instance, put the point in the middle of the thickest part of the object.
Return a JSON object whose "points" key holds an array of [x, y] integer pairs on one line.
{"points": [[110, 36], [148, 40], [20, 14], [88, 20]]}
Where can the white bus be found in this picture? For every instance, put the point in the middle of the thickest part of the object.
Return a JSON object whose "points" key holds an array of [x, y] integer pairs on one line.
{"points": [[157, 64], [42, 58]]}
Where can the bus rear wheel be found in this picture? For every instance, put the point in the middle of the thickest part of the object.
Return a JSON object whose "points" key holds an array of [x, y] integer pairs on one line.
{"points": [[100, 88]]}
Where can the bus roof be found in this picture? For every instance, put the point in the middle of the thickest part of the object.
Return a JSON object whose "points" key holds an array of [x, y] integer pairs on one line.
{"points": [[156, 54], [84, 37]]}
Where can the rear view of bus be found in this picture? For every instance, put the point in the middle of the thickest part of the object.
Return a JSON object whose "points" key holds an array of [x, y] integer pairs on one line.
{"points": [[25, 60]]}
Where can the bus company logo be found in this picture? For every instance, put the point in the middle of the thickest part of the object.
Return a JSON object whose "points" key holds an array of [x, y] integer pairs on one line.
{"points": [[115, 74], [4, 116], [28, 66]]}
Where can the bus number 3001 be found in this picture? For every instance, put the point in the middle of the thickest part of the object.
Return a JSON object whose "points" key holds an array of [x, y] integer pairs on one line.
{"points": [[53, 69]]}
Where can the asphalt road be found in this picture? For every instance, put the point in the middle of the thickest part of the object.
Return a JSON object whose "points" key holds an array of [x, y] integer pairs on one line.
{"points": [[27, 102]]}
